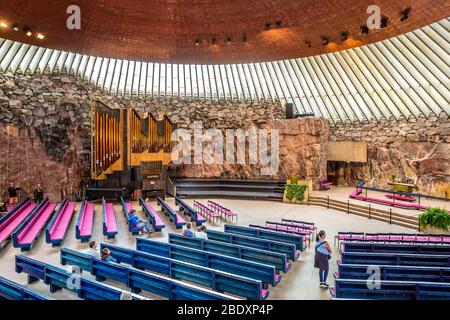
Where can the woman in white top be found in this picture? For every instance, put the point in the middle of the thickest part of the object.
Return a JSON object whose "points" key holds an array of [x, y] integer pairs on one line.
{"points": [[201, 234]]}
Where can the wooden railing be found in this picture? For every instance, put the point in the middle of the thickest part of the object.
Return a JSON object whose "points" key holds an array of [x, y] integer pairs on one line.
{"points": [[369, 212]]}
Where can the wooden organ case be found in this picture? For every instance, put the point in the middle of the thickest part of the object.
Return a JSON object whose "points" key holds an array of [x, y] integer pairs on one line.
{"points": [[130, 150]]}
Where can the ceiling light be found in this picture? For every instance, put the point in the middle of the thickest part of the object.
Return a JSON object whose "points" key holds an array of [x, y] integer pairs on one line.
{"points": [[405, 14], [278, 23], [364, 29], [344, 36], [325, 41], [15, 27], [3, 24], [40, 36]]}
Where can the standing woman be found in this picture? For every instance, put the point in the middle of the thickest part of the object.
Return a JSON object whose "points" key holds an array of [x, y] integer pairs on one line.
{"points": [[322, 255]]}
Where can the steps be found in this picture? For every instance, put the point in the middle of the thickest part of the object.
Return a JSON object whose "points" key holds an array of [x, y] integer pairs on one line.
{"points": [[230, 188]]}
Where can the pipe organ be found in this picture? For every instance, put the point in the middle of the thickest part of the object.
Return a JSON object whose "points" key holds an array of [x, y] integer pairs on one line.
{"points": [[124, 139], [106, 139]]}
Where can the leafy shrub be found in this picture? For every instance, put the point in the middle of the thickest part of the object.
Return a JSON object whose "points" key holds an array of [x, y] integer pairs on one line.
{"points": [[435, 217], [296, 191]]}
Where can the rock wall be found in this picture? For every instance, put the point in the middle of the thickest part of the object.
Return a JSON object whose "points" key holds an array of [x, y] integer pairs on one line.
{"points": [[303, 145], [418, 149], [44, 134], [45, 127]]}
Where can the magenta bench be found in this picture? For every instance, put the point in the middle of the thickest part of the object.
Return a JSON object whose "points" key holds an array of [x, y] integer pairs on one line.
{"points": [[57, 228], [224, 212]]}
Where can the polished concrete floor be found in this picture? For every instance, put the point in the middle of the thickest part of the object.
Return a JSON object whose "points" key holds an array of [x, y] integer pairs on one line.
{"points": [[301, 282]]}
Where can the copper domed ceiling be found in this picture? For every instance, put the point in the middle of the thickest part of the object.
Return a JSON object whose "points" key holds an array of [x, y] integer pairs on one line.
{"points": [[228, 31]]}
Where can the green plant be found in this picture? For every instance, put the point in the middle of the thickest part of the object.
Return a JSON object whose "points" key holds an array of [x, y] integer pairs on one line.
{"points": [[435, 217], [296, 191]]}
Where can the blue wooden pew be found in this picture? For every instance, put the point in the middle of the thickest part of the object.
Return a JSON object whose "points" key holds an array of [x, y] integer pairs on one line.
{"points": [[191, 212], [372, 258], [262, 272], [266, 234], [390, 290], [216, 279], [177, 220], [13, 210], [397, 248], [126, 208], [270, 245], [10, 290], [278, 260], [155, 220], [59, 278], [139, 280], [394, 273]]}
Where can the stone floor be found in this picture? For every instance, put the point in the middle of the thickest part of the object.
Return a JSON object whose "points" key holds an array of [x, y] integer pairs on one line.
{"points": [[301, 282]]}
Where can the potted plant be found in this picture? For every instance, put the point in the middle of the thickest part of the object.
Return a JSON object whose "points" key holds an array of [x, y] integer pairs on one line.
{"points": [[296, 192], [435, 221]]}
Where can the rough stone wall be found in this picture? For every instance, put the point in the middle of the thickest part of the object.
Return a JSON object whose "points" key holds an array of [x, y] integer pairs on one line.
{"points": [[415, 148], [303, 145], [45, 127]]}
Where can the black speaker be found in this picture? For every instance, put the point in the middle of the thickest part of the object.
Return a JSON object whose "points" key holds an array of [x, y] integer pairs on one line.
{"points": [[289, 110]]}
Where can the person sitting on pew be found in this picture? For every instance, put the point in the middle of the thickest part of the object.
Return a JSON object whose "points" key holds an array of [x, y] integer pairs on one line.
{"points": [[38, 194], [12, 192], [93, 250], [106, 255], [188, 231], [137, 223], [322, 255], [202, 233]]}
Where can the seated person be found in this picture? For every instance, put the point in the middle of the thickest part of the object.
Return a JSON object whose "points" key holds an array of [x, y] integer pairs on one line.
{"points": [[106, 255], [38, 194], [137, 223], [188, 231], [12, 193], [93, 250], [202, 233]]}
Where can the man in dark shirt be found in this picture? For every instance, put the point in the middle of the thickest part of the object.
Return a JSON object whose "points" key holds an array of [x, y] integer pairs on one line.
{"points": [[38, 194], [12, 192]]}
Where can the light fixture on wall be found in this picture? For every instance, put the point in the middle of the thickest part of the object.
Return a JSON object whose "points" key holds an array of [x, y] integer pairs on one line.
{"points": [[213, 41], [307, 44], [404, 14], [3, 24], [244, 38], [197, 42], [27, 31], [325, 41], [228, 40], [15, 27], [40, 36], [364, 29], [344, 36]]}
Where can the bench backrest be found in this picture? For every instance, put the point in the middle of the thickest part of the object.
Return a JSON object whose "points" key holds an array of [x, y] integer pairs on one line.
{"points": [[231, 282], [139, 280]]}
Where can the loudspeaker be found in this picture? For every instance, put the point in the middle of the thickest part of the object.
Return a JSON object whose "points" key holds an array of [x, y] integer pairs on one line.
{"points": [[289, 110]]}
